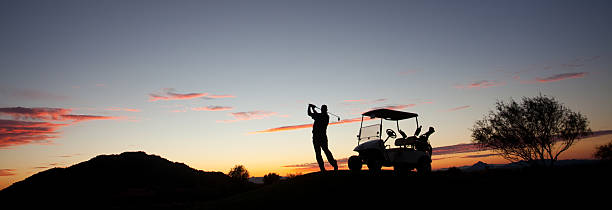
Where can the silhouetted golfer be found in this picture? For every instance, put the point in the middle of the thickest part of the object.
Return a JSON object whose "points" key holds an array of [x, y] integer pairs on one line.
{"points": [[319, 135]]}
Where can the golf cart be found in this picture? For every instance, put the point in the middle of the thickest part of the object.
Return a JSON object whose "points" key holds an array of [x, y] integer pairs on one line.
{"points": [[407, 153]]}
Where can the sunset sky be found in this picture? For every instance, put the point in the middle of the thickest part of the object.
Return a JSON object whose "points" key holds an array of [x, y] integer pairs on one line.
{"points": [[214, 84]]}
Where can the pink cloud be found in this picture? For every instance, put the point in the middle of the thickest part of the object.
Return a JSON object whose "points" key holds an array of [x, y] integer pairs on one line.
{"points": [[480, 84], [356, 100], [212, 96], [80, 118], [123, 109], [44, 113], [312, 167], [250, 115], [169, 94], [362, 101], [212, 108], [302, 126], [31, 94], [37, 113], [395, 107], [559, 77], [7, 172], [458, 108], [19, 132], [15, 132], [407, 72]]}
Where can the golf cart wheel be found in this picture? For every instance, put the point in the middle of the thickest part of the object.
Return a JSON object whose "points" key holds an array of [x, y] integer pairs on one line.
{"points": [[374, 165], [354, 163], [424, 166]]}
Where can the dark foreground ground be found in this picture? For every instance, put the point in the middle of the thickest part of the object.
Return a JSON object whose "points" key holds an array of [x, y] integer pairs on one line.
{"points": [[580, 186], [136, 180]]}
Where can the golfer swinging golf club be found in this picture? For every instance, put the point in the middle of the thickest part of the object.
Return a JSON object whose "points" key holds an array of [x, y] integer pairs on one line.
{"points": [[319, 135]]}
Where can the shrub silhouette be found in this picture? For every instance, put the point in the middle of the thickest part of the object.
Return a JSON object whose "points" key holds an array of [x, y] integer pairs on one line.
{"points": [[292, 176], [271, 178], [604, 152], [239, 174], [538, 129]]}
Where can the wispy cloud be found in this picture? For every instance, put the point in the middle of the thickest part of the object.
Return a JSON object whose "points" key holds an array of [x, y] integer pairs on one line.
{"points": [[559, 77], [458, 108], [362, 101], [480, 155], [212, 108], [302, 126], [82, 117], [250, 115], [122, 109], [171, 94], [212, 96], [37, 113], [30, 94], [44, 113], [354, 100], [408, 72], [457, 148], [481, 84], [307, 167], [580, 62], [69, 155], [395, 107], [19, 132], [7, 172]]}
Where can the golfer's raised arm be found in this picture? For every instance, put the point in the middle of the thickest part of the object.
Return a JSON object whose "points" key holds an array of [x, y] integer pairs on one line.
{"points": [[309, 110]]}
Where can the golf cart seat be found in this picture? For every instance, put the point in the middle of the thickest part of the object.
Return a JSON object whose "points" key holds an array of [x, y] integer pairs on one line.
{"points": [[411, 140]]}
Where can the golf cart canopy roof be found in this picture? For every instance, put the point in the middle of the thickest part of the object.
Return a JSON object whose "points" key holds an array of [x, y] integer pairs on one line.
{"points": [[389, 114]]}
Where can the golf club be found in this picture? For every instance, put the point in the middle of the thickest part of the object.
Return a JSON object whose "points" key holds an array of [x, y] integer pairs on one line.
{"points": [[327, 112]]}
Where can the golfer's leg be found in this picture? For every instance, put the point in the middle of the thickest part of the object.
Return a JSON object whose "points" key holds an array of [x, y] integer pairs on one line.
{"points": [[317, 148], [328, 154]]}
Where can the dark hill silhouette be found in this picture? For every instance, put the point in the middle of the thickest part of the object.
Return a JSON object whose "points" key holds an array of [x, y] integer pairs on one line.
{"points": [[127, 179]]}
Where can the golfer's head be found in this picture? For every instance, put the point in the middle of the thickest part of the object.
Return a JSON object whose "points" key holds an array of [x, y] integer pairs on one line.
{"points": [[324, 108]]}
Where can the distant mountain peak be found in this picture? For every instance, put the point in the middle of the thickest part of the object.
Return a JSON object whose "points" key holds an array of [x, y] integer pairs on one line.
{"points": [[480, 163], [478, 166]]}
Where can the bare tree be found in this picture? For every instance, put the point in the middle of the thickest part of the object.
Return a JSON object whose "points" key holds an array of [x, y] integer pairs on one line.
{"points": [[538, 129]]}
